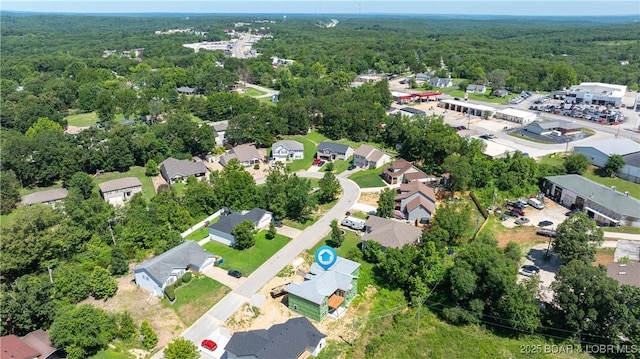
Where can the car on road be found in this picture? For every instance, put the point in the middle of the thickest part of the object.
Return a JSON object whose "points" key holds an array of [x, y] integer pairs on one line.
{"points": [[522, 220], [461, 128], [545, 223], [529, 270], [235, 273], [209, 344]]}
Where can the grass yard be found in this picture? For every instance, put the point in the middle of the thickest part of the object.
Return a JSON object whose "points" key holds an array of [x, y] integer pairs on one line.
{"points": [[26, 191], [315, 136], [527, 138], [630, 230], [338, 166], [248, 260], [250, 91], [621, 185], [479, 97], [111, 354], [202, 232], [351, 240], [369, 178], [309, 154], [193, 299], [87, 119], [148, 190], [556, 160], [298, 225]]}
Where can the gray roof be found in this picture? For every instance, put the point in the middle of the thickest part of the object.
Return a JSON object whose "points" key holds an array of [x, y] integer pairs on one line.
{"points": [[120, 183], [39, 340], [602, 195], [628, 273], [226, 223], [45, 196], [172, 167], [283, 341], [246, 152], [613, 146], [290, 145], [333, 147], [390, 233], [220, 126], [413, 111], [320, 283], [632, 159], [186, 89], [557, 124], [188, 254]]}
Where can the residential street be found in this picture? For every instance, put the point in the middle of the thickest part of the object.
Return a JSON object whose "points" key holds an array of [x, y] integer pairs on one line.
{"points": [[217, 315]]}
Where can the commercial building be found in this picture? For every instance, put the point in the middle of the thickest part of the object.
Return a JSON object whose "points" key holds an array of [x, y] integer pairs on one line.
{"points": [[599, 152], [467, 107], [596, 93], [555, 127], [517, 116], [605, 205]]}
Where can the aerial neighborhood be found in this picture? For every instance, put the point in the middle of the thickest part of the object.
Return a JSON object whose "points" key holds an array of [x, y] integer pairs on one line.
{"points": [[279, 187]]}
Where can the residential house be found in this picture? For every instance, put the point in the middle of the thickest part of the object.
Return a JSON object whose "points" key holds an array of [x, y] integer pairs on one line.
{"points": [[293, 339], [370, 157], [287, 150], [475, 88], [625, 273], [605, 205], [155, 274], [35, 345], [416, 201], [501, 92], [186, 90], [49, 197], [424, 76], [325, 292], [175, 171], [555, 127], [246, 154], [441, 82], [390, 233], [221, 231], [330, 151], [120, 190], [220, 128], [399, 169], [598, 152]]}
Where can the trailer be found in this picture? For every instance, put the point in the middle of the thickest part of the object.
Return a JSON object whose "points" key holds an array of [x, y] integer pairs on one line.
{"points": [[279, 291]]}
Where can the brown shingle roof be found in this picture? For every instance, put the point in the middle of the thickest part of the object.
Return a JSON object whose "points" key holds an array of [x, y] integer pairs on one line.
{"points": [[415, 176], [39, 340], [120, 183], [11, 347], [408, 189], [390, 233], [628, 273], [397, 168], [246, 153], [420, 201]]}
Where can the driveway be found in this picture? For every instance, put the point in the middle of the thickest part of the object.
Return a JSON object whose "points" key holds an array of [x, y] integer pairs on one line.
{"points": [[288, 231], [220, 275], [548, 269], [206, 325]]}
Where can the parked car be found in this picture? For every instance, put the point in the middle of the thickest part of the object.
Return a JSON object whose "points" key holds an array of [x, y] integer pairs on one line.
{"points": [[511, 213], [516, 204], [209, 344], [546, 232], [235, 273], [278, 224], [529, 270], [545, 223], [522, 220], [504, 217], [317, 161]]}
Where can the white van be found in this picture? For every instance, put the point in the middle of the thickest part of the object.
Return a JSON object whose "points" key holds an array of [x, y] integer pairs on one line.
{"points": [[535, 203]]}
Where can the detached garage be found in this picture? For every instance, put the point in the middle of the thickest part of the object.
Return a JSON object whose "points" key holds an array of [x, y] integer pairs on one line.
{"points": [[517, 116]]}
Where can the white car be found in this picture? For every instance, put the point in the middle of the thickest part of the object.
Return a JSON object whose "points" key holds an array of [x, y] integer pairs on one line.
{"points": [[529, 270]]}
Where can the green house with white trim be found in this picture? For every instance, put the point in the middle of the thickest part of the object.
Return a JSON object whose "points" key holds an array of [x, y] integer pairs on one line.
{"points": [[325, 292]]}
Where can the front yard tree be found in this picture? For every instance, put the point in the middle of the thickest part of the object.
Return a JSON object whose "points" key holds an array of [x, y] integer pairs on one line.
{"points": [[337, 237], [386, 203], [299, 204], [271, 234], [234, 187], [84, 328], [151, 168], [103, 286], [577, 238], [329, 187], [181, 348], [244, 234], [149, 337], [576, 163], [614, 165]]}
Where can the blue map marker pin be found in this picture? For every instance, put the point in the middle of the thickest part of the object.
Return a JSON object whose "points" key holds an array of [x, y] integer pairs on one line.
{"points": [[326, 257]]}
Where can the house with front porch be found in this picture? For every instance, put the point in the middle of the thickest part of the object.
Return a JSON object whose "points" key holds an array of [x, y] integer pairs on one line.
{"points": [[401, 170], [287, 150], [325, 292], [330, 151], [369, 157]]}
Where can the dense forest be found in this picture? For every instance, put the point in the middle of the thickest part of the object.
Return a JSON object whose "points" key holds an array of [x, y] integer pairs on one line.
{"points": [[52, 67]]}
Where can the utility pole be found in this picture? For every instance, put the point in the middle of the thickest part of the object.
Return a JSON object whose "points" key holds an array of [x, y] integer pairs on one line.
{"points": [[50, 276], [113, 238]]}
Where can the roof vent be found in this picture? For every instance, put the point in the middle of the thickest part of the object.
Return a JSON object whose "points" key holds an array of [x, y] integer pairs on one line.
{"points": [[623, 264], [622, 273], [613, 188], [626, 193]]}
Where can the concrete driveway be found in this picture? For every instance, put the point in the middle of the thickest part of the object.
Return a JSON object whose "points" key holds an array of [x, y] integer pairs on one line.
{"points": [[548, 269], [220, 275], [288, 231]]}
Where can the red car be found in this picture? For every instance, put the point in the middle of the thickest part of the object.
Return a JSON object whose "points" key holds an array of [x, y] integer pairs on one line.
{"points": [[209, 344], [517, 210], [316, 161]]}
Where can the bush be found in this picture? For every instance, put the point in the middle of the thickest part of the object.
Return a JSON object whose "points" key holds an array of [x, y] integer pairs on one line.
{"points": [[186, 278], [256, 166], [170, 292], [149, 337]]}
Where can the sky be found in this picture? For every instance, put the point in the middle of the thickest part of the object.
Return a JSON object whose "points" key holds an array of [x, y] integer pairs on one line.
{"points": [[459, 7]]}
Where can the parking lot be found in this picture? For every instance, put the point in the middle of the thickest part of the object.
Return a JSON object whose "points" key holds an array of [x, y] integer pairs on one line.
{"points": [[552, 212], [548, 268]]}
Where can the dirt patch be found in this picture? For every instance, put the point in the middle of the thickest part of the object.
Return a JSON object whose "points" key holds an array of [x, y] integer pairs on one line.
{"points": [[142, 306], [370, 199], [605, 256], [157, 182], [526, 237]]}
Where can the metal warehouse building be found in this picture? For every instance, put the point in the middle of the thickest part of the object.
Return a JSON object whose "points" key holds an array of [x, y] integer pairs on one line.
{"points": [[517, 116], [596, 93]]}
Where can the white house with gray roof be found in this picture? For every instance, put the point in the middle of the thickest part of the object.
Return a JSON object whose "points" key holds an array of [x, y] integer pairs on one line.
{"points": [[598, 152], [293, 339], [330, 151], [605, 205], [221, 230], [120, 190], [49, 197], [287, 150], [219, 130], [155, 274], [175, 171], [370, 157], [246, 154]]}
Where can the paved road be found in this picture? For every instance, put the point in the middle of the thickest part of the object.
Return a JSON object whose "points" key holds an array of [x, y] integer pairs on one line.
{"points": [[217, 315], [628, 236]]}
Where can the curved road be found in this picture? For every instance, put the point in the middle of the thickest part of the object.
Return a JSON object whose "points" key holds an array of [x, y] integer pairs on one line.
{"points": [[219, 313]]}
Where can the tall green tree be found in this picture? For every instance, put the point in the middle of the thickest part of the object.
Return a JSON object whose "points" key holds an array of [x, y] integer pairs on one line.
{"points": [[149, 336], [105, 106], [151, 168], [613, 165], [181, 348], [577, 238], [85, 328], [244, 234], [460, 172], [386, 203], [126, 327], [455, 218], [82, 182], [103, 286], [234, 187], [27, 305], [71, 283], [9, 191], [329, 188], [576, 163], [41, 125], [336, 238]]}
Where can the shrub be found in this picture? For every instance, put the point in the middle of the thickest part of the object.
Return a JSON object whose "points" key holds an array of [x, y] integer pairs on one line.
{"points": [[170, 292], [186, 278], [256, 166]]}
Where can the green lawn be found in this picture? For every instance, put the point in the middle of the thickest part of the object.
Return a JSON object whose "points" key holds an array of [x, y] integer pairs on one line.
{"points": [[368, 178], [556, 160], [351, 240], [338, 166], [195, 118], [202, 232], [148, 190], [248, 260], [621, 185], [193, 299], [250, 91], [315, 136], [480, 97], [520, 136], [630, 230], [111, 354], [309, 154], [87, 119], [298, 225]]}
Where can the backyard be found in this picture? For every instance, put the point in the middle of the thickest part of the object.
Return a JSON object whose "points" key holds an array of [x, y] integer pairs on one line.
{"points": [[193, 299], [369, 178], [247, 260], [87, 119]]}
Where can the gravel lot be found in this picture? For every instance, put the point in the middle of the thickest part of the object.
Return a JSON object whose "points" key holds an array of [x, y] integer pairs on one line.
{"points": [[552, 211], [548, 269]]}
